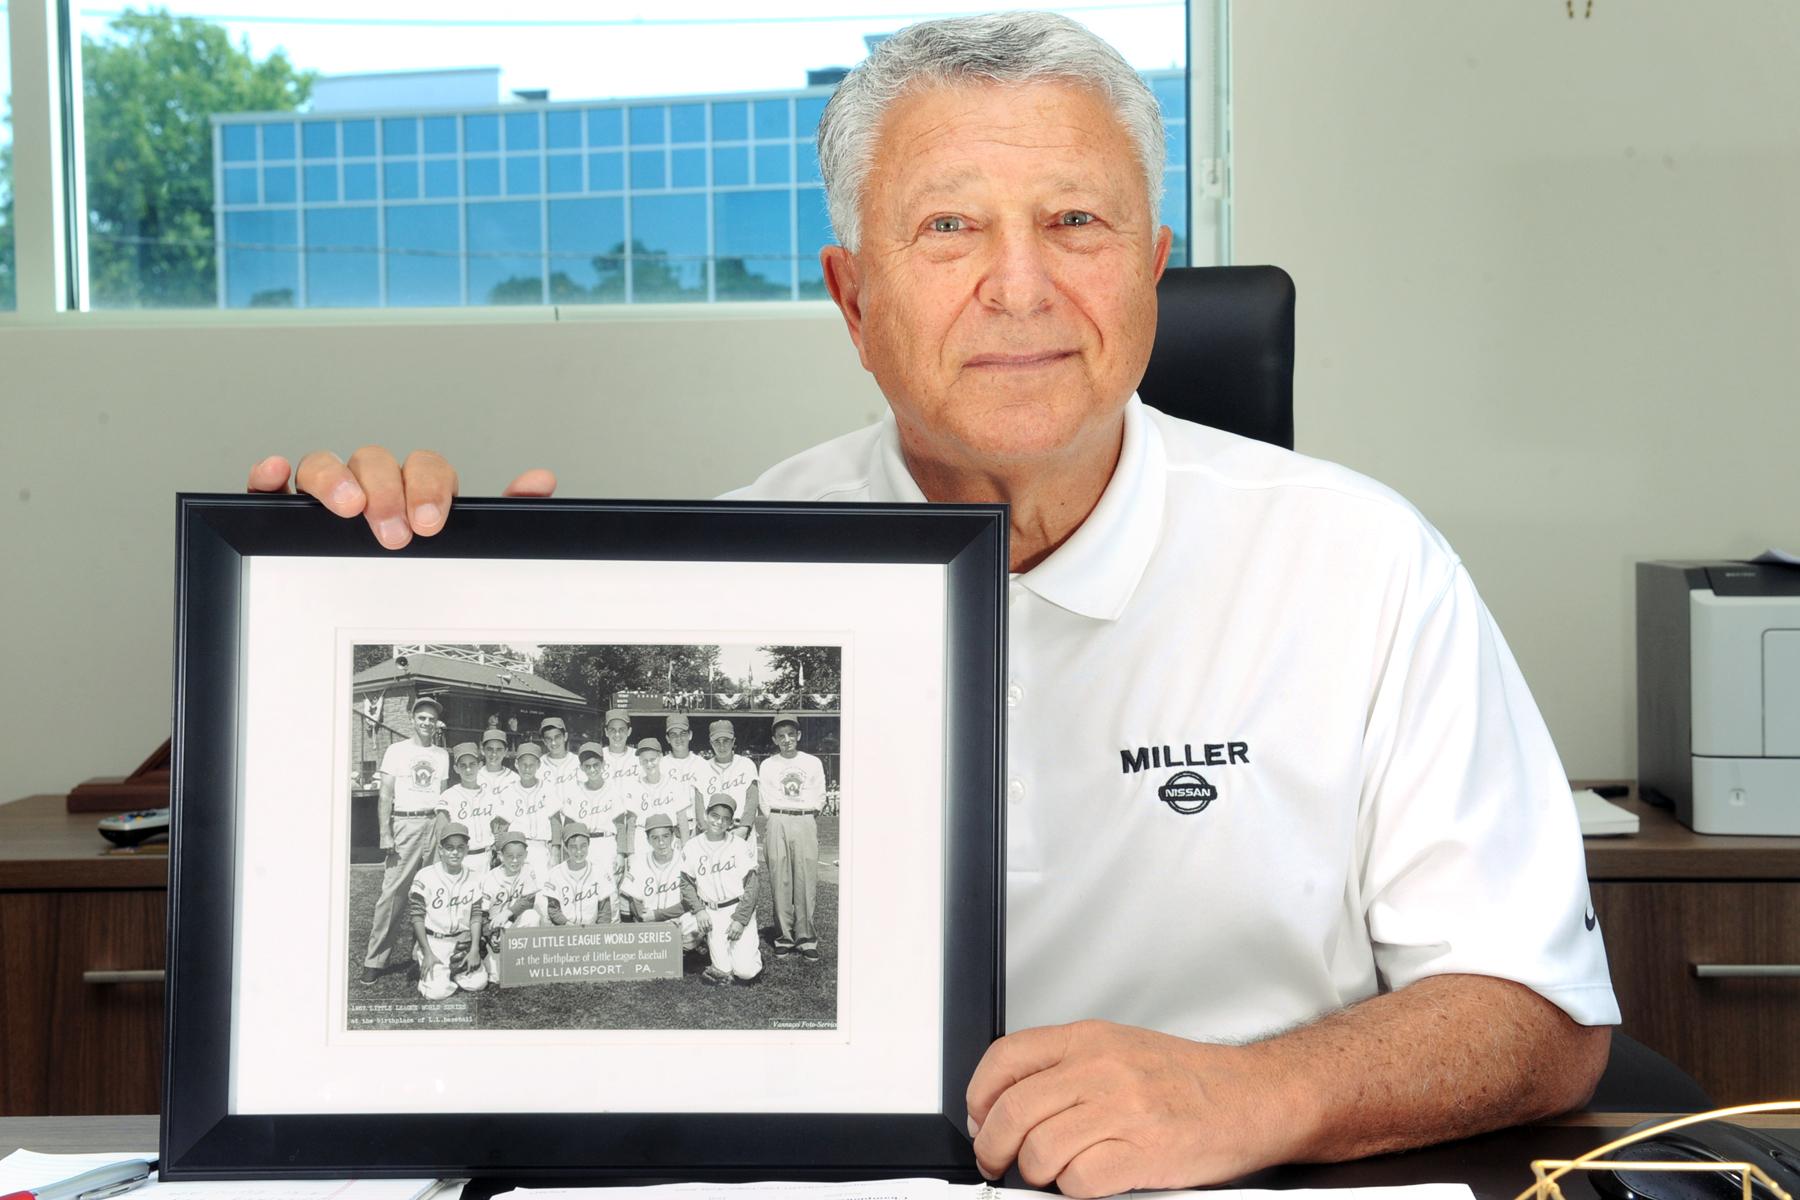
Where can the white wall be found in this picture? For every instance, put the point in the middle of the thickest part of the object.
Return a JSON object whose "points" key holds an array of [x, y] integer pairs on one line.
{"points": [[1548, 277], [1549, 281]]}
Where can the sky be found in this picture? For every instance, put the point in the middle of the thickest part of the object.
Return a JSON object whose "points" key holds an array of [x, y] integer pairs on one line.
{"points": [[734, 660]]}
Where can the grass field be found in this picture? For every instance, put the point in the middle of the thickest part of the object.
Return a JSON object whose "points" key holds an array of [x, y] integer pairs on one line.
{"points": [[789, 989]]}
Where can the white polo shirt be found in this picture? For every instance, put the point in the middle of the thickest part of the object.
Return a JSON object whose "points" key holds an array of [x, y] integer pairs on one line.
{"points": [[1268, 754]]}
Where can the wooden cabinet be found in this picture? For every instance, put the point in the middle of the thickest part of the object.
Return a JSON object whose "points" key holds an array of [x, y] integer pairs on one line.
{"points": [[1698, 929], [82, 943]]}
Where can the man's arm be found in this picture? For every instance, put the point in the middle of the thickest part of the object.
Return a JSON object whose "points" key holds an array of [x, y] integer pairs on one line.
{"points": [[384, 814], [746, 822], [1102, 1108]]}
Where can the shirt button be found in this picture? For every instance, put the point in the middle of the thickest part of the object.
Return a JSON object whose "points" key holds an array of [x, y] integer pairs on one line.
{"points": [[1014, 694], [1015, 790]]}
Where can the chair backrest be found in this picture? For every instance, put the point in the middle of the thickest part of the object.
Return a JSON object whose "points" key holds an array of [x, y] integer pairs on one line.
{"points": [[1224, 351]]}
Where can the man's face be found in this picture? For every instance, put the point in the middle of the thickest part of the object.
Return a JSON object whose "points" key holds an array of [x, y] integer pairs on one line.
{"points": [[575, 849], [452, 849], [787, 738], [661, 838], [722, 744], [617, 732], [492, 753], [466, 766], [425, 723], [555, 740], [679, 739], [718, 819], [1004, 295]]}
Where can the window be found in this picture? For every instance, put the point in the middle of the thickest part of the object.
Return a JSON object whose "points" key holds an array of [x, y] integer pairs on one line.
{"points": [[8, 291], [326, 158]]}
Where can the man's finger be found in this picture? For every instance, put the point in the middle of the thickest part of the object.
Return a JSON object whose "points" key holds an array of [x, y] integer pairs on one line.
{"points": [[1018, 1111], [269, 475], [1103, 1169], [379, 477], [1009, 1060], [430, 484], [323, 476], [536, 482], [1049, 1147]]}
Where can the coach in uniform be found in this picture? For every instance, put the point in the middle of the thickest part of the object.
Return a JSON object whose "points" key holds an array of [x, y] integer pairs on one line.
{"points": [[1254, 691], [793, 783], [413, 772]]}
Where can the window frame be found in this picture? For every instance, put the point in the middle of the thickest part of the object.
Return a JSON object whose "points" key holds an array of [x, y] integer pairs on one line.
{"points": [[50, 227]]}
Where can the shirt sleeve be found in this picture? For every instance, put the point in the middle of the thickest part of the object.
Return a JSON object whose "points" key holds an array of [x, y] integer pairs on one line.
{"points": [[1473, 861]]}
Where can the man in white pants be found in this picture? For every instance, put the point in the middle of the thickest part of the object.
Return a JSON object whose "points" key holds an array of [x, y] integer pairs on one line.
{"points": [[413, 773], [718, 886], [792, 785]]}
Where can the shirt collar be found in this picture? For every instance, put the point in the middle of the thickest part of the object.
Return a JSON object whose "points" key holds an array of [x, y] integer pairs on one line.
{"points": [[1095, 572]]}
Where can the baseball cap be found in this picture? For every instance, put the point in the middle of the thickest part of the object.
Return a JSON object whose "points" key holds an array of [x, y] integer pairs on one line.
{"points": [[587, 748], [786, 719], [659, 821], [552, 723], [508, 838], [721, 726], [531, 748], [675, 721], [494, 735], [430, 702], [451, 830], [617, 714], [718, 799], [576, 829], [462, 748], [649, 743]]}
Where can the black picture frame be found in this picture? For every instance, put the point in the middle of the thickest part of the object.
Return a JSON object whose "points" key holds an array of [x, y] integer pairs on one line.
{"points": [[202, 1139]]}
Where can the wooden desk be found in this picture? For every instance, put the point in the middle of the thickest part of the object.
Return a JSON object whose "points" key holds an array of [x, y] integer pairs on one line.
{"points": [[82, 943], [1669, 899]]}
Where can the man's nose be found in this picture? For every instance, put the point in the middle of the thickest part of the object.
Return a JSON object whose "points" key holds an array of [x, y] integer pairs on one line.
{"points": [[1019, 279]]}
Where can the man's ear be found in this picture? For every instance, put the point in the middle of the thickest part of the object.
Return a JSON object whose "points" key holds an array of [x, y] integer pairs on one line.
{"points": [[845, 286], [1165, 240]]}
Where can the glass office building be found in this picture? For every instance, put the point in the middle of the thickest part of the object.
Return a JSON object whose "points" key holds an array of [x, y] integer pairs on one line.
{"points": [[688, 198]]}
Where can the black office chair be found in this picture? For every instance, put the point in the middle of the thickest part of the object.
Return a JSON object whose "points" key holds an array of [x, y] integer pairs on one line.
{"points": [[1224, 356], [1224, 350]]}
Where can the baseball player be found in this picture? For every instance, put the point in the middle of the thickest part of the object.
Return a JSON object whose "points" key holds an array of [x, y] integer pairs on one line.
{"points": [[508, 898], [598, 807], [681, 764], [577, 892], [560, 769], [442, 903], [719, 887], [495, 774], [468, 805], [729, 774], [413, 772], [535, 809], [654, 887], [654, 792], [621, 762], [794, 783]]}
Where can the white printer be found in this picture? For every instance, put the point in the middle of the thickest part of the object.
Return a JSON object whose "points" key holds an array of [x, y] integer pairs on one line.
{"points": [[1718, 662]]}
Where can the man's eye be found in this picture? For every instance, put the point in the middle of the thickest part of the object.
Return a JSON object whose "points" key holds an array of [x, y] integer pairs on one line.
{"points": [[946, 224], [1077, 218]]}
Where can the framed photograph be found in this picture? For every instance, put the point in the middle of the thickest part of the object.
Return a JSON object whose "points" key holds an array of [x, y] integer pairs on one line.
{"points": [[621, 841]]}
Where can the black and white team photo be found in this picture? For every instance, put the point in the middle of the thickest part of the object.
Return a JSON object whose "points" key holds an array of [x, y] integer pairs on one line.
{"points": [[594, 836]]}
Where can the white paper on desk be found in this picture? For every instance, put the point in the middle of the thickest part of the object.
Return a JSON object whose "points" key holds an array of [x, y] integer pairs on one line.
{"points": [[23, 1169], [932, 1189]]}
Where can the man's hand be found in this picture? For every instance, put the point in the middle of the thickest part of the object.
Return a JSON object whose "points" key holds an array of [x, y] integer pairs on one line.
{"points": [[397, 500], [1100, 1108]]}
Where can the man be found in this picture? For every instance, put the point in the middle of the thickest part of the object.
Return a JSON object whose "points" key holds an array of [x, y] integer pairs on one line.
{"points": [[729, 773], [621, 761], [1390, 860], [413, 772], [794, 782], [440, 905]]}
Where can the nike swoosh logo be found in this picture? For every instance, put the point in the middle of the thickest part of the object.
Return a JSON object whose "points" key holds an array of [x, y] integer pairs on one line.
{"points": [[1590, 920]]}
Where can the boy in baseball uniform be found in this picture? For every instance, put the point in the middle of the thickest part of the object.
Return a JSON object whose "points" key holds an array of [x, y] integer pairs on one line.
{"points": [[535, 809], [442, 905], [508, 897], [792, 783], [468, 805], [654, 887], [577, 892], [682, 764], [718, 886], [728, 774], [413, 772], [598, 807], [560, 768], [621, 762], [653, 792]]}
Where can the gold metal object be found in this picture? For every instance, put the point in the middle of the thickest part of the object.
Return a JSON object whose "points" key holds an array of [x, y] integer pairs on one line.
{"points": [[1548, 1170]]}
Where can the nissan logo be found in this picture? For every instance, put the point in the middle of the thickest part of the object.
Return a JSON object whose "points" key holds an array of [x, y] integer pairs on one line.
{"points": [[1187, 792]]}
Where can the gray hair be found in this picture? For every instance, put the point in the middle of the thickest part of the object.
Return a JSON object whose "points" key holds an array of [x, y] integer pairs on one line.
{"points": [[1001, 48]]}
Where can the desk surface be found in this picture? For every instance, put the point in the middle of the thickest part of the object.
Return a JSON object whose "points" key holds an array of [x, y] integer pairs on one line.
{"points": [[1496, 1165], [44, 848]]}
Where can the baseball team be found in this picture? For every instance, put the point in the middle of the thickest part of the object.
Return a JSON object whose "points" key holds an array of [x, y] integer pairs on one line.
{"points": [[594, 836]]}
